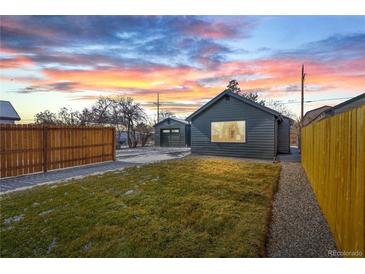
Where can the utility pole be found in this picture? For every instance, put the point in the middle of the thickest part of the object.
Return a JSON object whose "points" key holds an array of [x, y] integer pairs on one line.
{"points": [[302, 110], [158, 107], [302, 100]]}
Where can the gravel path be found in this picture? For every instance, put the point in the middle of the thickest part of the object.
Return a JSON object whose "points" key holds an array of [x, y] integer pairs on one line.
{"points": [[298, 228]]}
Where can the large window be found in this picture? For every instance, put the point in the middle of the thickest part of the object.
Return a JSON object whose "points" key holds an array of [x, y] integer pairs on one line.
{"points": [[228, 132]]}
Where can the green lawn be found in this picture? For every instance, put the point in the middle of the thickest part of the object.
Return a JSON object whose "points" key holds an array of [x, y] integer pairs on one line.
{"points": [[194, 207]]}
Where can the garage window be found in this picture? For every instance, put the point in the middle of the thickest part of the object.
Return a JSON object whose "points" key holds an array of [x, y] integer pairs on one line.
{"points": [[165, 131], [228, 132], [175, 130]]}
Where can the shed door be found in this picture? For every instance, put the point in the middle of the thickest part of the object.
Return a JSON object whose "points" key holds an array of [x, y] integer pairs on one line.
{"points": [[170, 137]]}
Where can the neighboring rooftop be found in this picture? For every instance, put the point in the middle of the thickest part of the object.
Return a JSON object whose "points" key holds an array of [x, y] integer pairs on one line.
{"points": [[313, 114], [325, 111], [8, 112], [173, 118], [347, 105]]}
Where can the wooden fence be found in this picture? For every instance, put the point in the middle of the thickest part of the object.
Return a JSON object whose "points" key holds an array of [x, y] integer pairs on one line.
{"points": [[333, 156], [28, 149]]}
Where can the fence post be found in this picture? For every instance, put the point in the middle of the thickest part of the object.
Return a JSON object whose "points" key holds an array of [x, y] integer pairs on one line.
{"points": [[45, 148], [113, 142]]}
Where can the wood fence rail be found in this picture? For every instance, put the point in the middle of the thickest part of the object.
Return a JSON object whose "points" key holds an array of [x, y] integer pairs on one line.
{"points": [[28, 149], [333, 157]]}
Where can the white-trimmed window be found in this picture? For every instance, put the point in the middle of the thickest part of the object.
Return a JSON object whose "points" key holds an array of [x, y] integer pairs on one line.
{"points": [[173, 130], [228, 132]]}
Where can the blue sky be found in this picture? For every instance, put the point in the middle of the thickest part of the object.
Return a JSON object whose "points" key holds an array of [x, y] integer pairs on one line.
{"points": [[48, 62]]}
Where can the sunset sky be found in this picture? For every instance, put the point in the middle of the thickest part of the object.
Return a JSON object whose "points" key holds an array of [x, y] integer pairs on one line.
{"points": [[69, 61]]}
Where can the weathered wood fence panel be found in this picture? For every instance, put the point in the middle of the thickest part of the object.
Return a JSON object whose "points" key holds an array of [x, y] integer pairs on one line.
{"points": [[333, 157], [28, 149]]}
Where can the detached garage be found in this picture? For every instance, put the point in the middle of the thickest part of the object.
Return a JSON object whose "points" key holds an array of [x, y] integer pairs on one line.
{"points": [[172, 132], [231, 125]]}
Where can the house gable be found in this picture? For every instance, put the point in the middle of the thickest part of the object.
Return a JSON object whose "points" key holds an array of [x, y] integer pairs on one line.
{"points": [[240, 98]]}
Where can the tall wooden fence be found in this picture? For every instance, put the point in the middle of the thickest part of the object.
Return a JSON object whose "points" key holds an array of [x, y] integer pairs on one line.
{"points": [[333, 156], [35, 148]]}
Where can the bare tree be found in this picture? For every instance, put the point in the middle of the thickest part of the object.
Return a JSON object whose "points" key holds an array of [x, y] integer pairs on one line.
{"points": [[166, 114], [145, 131], [68, 117], [64, 117], [101, 110], [133, 114], [253, 96], [234, 86], [84, 117], [123, 113], [117, 115], [46, 117], [280, 107]]}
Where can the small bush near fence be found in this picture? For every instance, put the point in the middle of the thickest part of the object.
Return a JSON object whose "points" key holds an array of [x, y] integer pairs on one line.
{"points": [[35, 148], [333, 156]]}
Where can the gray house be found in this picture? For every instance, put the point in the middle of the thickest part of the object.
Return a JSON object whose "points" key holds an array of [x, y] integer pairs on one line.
{"points": [[314, 115], [231, 125], [8, 114], [172, 132]]}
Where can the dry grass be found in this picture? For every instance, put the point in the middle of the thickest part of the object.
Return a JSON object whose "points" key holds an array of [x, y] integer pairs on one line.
{"points": [[182, 208]]}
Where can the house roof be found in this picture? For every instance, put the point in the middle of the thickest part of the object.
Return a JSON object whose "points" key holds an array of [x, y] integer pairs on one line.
{"points": [[349, 104], [313, 114], [238, 97], [7, 111], [173, 118]]}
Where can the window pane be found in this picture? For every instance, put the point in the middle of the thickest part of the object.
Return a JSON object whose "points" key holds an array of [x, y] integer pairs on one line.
{"points": [[175, 130], [165, 131], [228, 132]]}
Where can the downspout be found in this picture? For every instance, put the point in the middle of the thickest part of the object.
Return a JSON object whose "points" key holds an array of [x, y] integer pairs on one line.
{"points": [[277, 119]]}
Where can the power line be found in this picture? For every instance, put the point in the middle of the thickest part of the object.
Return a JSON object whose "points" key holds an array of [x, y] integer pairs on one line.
{"points": [[319, 100], [158, 106], [302, 96]]}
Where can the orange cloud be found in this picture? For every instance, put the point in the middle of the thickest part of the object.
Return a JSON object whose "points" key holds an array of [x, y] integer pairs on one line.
{"points": [[270, 73], [16, 62], [13, 59], [274, 78]]}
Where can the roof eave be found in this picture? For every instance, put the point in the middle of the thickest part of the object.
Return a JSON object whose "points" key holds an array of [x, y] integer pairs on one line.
{"points": [[10, 118], [171, 118], [206, 105], [354, 99]]}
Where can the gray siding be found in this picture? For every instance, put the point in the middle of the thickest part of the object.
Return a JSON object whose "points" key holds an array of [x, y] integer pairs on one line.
{"points": [[187, 135], [7, 121], [260, 131], [284, 136], [276, 129], [181, 142]]}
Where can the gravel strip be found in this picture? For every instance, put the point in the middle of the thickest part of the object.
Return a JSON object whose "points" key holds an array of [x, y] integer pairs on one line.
{"points": [[298, 228]]}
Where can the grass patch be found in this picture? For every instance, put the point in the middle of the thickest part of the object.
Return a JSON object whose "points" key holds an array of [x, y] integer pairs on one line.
{"points": [[194, 207]]}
